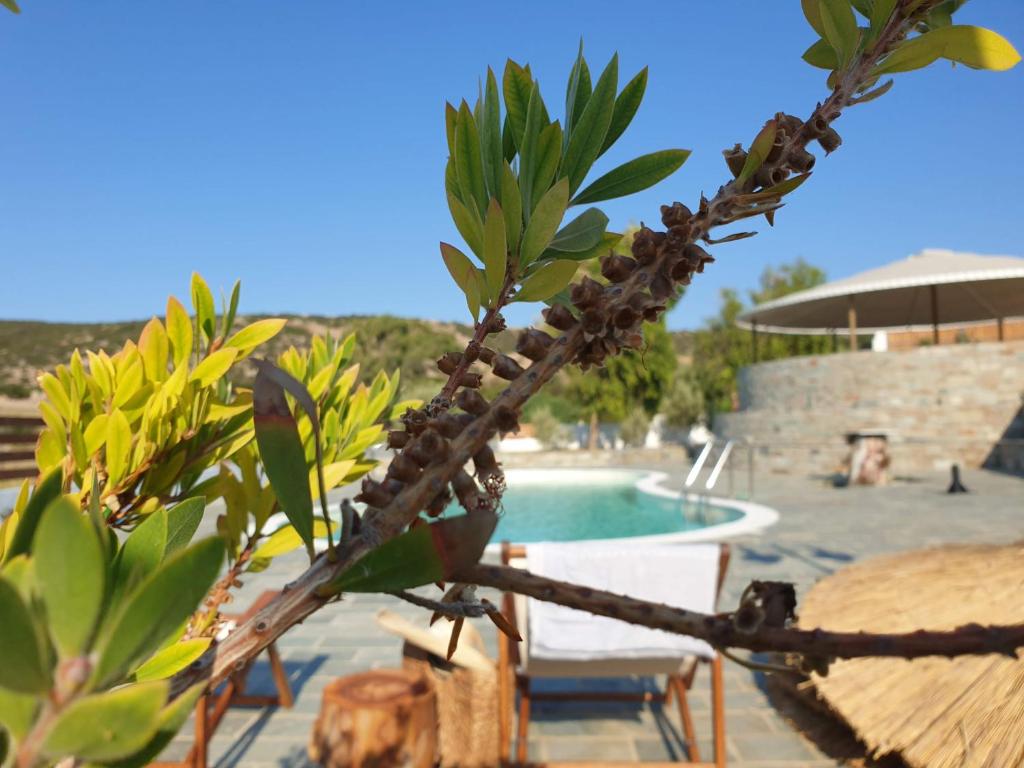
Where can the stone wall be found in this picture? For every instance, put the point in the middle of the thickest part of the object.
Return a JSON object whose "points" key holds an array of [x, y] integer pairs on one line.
{"points": [[939, 405]]}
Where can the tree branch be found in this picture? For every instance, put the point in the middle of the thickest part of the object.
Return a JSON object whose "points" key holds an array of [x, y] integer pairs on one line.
{"points": [[721, 630]]}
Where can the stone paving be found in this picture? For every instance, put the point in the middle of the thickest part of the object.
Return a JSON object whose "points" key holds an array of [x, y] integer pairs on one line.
{"points": [[820, 529]]}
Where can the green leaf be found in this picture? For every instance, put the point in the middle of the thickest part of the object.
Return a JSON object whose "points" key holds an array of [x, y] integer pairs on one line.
{"points": [[169, 722], [589, 133], [70, 569], [254, 334], [822, 56], [469, 164], [284, 540], [118, 445], [202, 302], [881, 12], [182, 523], [812, 12], [45, 493], [495, 251], [759, 150], [582, 233], [214, 366], [464, 274], [626, 105], [142, 552], [490, 137], [976, 47], [469, 224], [840, 29], [544, 222], [775, 191], [107, 726], [172, 659], [608, 241], [577, 91], [157, 608], [17, 713], [508, 144], [517, 84], [548, 280], [282, 454], [451, 119], [24, 668], [179, 331], [423, 555], [549, 155], [863, 7], [10, 5], [528, 150], [638, 174], [232, 308], [512, 208]]}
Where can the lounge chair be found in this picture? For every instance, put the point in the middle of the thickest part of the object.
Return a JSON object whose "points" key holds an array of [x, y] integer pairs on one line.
{"points": [[664, 654]]}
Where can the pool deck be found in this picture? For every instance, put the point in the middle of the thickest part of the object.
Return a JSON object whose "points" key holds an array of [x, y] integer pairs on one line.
{"points": [[820, 529]]}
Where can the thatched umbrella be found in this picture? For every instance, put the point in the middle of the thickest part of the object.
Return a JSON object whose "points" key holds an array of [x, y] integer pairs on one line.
{"points": [[933, 712]]}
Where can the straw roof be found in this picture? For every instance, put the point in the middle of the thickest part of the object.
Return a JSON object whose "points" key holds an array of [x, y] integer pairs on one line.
{"points": [[933, 712], [966, 288]]}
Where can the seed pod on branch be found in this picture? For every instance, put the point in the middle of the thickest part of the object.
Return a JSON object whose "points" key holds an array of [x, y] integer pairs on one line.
{"points": [[472, 351], [777, 144], [487, 355], [505, 367], [428, 448], [533, 344], [593, 321], [625, 317], [466, 490], [506, 419], [816, 126], [415, 421], [735, 158], [560, 317], [675, 215], [471, 401], [799, 160], [652, 312], [830, 140], [496, 324], [449, 362], [790, 123], [769, 177], [661, 287], [373, 493], [451, 424], [586, 293], [404, 468], [398, 438], [470, 380], [645, 245], [616, 268], [439, 503]]}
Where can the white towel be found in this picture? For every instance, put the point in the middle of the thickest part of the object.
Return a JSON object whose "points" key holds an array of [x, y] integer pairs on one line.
{"points": [[681, 575]]}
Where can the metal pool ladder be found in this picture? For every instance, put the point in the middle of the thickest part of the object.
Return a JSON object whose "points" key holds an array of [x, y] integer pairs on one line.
{"points": [[716, 472]]}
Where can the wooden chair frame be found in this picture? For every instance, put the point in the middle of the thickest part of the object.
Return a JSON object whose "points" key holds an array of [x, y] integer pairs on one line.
{"points": [[211, 706], [677, 684]]}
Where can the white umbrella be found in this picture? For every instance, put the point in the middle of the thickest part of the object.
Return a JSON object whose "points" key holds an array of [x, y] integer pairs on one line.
{"points": [[935, 288]]}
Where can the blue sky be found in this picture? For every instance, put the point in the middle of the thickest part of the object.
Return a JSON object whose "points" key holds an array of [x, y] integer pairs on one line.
{"points": [[300, 146]]}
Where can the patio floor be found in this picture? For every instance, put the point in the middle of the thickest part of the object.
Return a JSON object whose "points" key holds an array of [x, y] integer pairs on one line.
{"points": [[821, 529]]}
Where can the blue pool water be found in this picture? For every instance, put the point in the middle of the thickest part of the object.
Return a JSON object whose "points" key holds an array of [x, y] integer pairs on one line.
{"points": [[574, 505]]}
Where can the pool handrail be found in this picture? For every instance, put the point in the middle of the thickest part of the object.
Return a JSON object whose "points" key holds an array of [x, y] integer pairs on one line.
{"points": [[698, 465], [709, 484]]}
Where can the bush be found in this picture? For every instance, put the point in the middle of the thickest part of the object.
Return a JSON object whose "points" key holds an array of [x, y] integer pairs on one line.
{"points": [[548, 429], [633, 429], [684, 403]]}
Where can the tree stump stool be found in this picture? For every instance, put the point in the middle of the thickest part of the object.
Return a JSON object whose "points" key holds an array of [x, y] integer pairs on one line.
{"points": [[381, 719]]}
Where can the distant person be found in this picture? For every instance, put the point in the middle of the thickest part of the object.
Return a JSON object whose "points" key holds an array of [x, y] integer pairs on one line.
{"points": [[698, 436]]}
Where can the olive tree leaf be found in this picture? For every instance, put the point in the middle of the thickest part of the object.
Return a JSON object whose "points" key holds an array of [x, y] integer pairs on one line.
{"points": [[172, 659], [179, 331], [608, 241], [182, 523], [17, 712], [821, 55], [109, 725], [528, 149], [468, 222], [577, 91], [626, 105], [170, 720], [281, 451], [549, 155], [544, 222], [638, 174], [157, 608], [202, 303], [70, 570], [213, 366], [25, 668], [589, 133], [464, 274], [469, 164], [423, 555], [973, 46], [841, 30], [758, 152], [547, 280], [490, 137], [511, 208], [881, 12], [10, 5], [232, 308], [45, 493], [142, 552], [451, 118], [812, 12], [582, 233], [118, 445], [254, 334], [517, 84], [495, 251]]}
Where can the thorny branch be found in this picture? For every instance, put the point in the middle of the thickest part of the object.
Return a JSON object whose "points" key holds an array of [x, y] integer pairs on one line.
{"points": [[435, 446]]}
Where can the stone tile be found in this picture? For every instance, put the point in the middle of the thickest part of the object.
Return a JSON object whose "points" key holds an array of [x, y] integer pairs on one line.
{"points": [[587, 748], [771, 746]]}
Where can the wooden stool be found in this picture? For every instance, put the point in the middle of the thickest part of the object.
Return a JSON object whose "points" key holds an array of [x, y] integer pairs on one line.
{"points": [[211, 706]]}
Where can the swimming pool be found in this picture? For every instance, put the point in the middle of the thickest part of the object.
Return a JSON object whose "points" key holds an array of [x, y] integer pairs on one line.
{"points": [[594, 504]]}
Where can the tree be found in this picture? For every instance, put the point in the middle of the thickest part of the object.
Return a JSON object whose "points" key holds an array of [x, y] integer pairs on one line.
{"points": [[91, 621]]}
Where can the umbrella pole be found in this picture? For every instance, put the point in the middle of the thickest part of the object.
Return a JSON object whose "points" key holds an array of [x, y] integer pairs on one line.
{"points": [[999, 328], [851, 317], [935, 314]]}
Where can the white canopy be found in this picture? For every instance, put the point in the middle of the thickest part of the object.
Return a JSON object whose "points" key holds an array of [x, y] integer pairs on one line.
{"points": [[931, 289]]}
